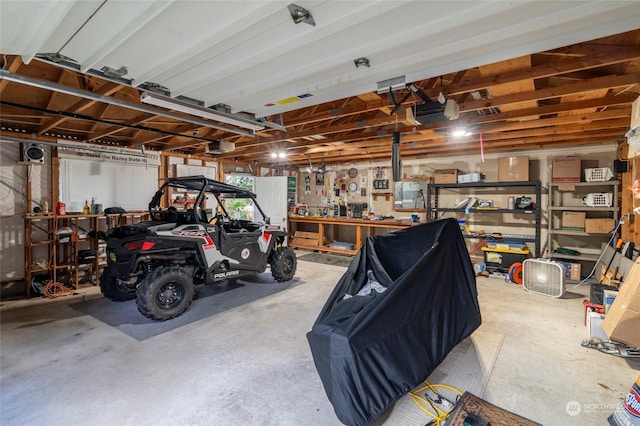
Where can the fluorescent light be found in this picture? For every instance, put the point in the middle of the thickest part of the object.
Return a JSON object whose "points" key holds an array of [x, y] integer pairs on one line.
{"points": [[391, 84], [177, 105]]}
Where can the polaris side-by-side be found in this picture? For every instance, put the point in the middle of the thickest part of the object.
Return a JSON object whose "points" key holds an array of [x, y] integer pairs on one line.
{"points": [[160, 261]]}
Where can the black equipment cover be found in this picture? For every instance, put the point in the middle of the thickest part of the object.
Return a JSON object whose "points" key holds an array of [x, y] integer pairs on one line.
{"points": [[371, 350]]}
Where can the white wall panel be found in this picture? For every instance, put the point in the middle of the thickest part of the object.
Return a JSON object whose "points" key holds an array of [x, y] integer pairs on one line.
{"points": [[112, 184]]}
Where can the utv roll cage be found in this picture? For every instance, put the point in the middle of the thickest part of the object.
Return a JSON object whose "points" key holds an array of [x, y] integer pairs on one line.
{"points": [[203, 186]]}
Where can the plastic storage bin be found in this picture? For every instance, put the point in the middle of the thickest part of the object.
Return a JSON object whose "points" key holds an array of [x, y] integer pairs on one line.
{"points": [[601, 174], [603, 199]]}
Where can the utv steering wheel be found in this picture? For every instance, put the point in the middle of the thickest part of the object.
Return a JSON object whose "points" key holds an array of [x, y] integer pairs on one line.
{"points": [[217, 218]]}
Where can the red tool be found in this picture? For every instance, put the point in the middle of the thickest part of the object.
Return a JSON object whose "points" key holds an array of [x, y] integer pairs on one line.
{"points": [[591, 307]]}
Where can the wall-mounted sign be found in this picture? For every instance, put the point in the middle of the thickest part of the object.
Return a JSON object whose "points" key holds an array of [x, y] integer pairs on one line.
{"points": [[107, 153]]}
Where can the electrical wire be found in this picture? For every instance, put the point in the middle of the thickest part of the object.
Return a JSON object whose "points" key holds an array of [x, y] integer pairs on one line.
{"points": [[438, 414], [53, 289]]}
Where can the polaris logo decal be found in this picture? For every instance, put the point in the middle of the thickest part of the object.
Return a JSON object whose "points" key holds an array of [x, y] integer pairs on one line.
{"points": [[245, 253], [226, 274]]}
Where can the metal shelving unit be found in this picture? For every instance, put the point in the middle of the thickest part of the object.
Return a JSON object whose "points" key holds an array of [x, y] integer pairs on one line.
{"points": [[557, 203], [434, 210]]}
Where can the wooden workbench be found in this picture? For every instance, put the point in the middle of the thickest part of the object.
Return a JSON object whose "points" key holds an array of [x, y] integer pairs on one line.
{"points": [[363, 228]]}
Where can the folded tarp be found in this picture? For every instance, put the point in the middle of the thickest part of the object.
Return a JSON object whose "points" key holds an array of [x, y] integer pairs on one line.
{"points": [[407, 298]]}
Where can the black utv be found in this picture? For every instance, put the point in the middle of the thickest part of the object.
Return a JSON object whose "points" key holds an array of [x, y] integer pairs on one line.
{"points": [[159, 262]]}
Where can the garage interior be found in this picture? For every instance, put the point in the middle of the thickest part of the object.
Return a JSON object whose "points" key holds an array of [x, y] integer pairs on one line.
{"points": [[350, 120]]}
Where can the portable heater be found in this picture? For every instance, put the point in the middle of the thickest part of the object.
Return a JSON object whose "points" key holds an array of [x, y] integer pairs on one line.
{"points": [[543, 276]]}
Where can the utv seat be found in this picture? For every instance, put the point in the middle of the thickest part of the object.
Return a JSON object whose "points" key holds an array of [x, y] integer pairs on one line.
{"points": [[189, 216]]}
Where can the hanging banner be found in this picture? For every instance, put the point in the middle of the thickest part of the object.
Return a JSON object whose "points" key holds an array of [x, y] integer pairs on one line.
{"points": [[67, 149]]}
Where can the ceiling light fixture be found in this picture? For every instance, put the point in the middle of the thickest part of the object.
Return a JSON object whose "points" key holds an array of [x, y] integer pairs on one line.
{"points": [[279, 154], [186, 107], [362, 62], [458, 133], [87, 94], [300, 14], [391, 84], [451, 110]]}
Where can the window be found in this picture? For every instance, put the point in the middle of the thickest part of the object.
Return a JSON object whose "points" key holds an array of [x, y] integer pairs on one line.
{"points": [[240, 208]]}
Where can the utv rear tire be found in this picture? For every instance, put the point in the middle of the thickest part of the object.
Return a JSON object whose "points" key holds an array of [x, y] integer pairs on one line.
{"points": [[283, 263], [113, 290], [165, 294]]}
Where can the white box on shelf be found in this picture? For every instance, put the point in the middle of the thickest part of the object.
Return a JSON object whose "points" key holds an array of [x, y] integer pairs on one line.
{"points": [[603, 199], [469, 178], [601, 174]]}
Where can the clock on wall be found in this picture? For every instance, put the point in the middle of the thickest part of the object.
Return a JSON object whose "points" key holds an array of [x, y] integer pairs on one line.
{"points": [[353, 187]]}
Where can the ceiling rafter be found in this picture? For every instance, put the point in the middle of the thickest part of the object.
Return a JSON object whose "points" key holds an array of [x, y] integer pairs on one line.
{"points": [[575, 96]]}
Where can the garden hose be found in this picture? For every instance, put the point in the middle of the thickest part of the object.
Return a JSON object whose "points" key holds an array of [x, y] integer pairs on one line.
{"points": [[564, 250]]}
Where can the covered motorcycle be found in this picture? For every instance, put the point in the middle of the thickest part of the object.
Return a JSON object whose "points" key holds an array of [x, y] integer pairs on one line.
{"points": [[407, 298]]}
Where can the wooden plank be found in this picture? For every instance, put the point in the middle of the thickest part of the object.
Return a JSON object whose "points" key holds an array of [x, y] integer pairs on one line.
{"points": [[306, 239], [606, 56], [594, 94], [107, 89], [552, 92], [305, 234], [611, 55], [496, 90], [304, 243]]}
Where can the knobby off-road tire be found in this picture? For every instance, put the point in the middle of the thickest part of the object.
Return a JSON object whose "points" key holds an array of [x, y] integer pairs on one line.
{"points": [[113, 290], [165, 294], [283, 263]]}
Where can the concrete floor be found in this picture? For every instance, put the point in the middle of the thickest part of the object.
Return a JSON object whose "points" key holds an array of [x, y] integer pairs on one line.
{"points": [[234, 360]]}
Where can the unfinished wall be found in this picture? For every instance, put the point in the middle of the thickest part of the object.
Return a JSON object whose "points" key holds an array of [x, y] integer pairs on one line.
{"points": [[540, 169], [14, 178]]}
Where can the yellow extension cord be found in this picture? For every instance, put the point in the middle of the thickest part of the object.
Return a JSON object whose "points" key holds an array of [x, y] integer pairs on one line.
{"points": [[440, 415]]}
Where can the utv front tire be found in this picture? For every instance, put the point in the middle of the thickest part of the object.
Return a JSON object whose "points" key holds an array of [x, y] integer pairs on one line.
{"points": [[114, 289], [283, 263], [165, 294]]}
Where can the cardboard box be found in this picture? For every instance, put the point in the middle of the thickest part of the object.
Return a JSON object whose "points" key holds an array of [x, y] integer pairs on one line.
{"points": [[573, 221], [572, 270], [623, 320], [471, 177], [599, 226], [445, 176], [513, 169], [566, 169]]}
